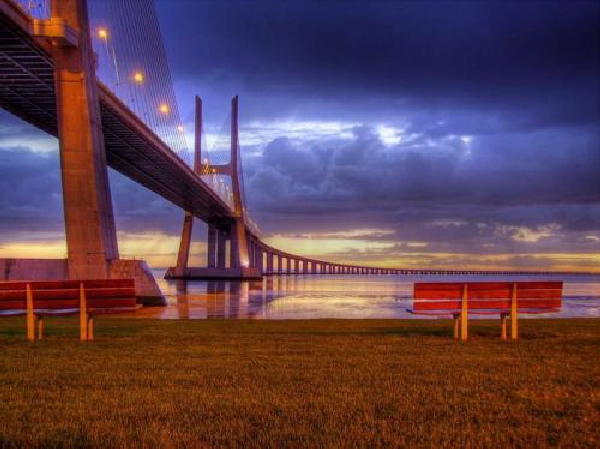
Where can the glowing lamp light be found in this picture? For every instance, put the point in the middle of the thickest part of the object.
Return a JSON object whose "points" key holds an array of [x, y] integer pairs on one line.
{"points": [[164, 108], [102, 33], [180, 128], [138, 77]]}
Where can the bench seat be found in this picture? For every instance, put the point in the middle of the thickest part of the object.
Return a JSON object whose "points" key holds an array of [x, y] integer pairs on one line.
{"points": [[459, 299]]}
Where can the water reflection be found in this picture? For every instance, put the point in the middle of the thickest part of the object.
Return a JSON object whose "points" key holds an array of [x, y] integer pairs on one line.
{"points": [[329, 296]]}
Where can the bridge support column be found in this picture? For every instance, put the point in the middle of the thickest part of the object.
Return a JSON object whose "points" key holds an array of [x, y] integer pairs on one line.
{"points": [[251, 253], [89, 223], [279, 263], [296, 266], [270, 262], [183, 255], [211, 246], [221, 249], [305, 266], [259, 258]]}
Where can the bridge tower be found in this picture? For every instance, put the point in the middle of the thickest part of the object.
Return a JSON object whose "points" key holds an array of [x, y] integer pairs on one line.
{"points": [[89, 223], [183, 255], [220, 231]]}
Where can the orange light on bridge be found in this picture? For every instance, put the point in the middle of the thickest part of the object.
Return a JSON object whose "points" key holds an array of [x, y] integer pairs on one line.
{"points": [[102, 33], [138, 77], [164, 108]]}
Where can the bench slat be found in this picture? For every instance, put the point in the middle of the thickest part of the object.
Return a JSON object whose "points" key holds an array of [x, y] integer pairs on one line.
{"points": [[10, 285], [115, 302], [110, 292], [12, 295], [483, 304]]}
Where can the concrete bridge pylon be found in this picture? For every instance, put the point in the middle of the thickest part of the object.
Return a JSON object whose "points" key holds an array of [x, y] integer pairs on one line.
{"points": [[222, 262]]}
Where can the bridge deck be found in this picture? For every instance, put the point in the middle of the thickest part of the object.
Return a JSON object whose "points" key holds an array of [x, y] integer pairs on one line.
{"points": [[27, 91]]}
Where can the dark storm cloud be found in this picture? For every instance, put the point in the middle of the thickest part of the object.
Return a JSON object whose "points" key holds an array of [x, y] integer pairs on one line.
{"points": [[540, 56], [30, 195], [543, 168], [31, 198], [547, 178]]}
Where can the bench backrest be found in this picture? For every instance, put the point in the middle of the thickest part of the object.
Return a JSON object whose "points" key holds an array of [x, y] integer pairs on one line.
{"points": [[491, 296], [56, 295]]}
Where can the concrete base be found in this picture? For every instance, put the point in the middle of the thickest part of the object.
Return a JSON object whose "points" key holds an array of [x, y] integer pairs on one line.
{"points": [[147, 291], [214, 273]]}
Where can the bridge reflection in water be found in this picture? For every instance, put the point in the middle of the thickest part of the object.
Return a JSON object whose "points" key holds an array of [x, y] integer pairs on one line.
{"points": [[327, 296]]}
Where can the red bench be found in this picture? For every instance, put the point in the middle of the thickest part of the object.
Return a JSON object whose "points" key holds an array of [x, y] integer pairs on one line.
{"points": [[38, 299], [493, 298]]}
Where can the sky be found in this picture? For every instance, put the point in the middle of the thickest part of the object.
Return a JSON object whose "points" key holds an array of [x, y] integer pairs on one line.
{"points": [[401, 134]]}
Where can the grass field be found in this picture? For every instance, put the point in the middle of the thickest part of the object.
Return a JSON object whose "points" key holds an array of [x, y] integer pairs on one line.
{"points": [[300, 383]]}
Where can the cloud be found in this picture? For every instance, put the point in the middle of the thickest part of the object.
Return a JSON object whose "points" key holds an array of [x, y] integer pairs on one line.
{"points": [[31, 199], [529, 63], [508, 194], [543, 168]]}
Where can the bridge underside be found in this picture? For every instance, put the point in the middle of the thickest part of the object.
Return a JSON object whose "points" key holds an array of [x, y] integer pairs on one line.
{"points": [[27, 90]]}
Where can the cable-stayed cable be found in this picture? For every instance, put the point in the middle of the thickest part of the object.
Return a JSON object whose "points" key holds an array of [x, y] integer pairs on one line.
{"points": [[145, 84]]}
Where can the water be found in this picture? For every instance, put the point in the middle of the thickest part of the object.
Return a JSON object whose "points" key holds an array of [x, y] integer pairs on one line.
{"points": [[335, 296]]}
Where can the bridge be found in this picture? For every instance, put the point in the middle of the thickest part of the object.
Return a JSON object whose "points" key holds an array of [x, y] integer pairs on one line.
{"points": [[48, 74], [48, 78]]}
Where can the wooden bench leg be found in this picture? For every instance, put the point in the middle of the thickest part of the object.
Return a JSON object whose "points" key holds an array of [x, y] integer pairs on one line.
{"points": [[30, 327], [40, 327], [463, 327], [503, 320], [464, 314], [83, 315], [456, 326], [90, 328], [514, 326], [30, 315]]}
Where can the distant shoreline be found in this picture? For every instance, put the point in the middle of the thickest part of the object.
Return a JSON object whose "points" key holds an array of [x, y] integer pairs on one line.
{"points": [[412, 272]]}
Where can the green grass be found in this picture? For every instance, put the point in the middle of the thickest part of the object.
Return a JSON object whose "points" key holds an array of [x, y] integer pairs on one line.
{"points": [[300, 383]]}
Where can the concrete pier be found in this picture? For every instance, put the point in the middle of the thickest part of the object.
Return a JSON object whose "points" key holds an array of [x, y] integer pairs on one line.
{"points": [[146, 289]]}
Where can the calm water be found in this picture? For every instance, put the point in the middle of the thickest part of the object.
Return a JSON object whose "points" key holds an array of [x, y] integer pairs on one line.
{"points": [[332, 296]]}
